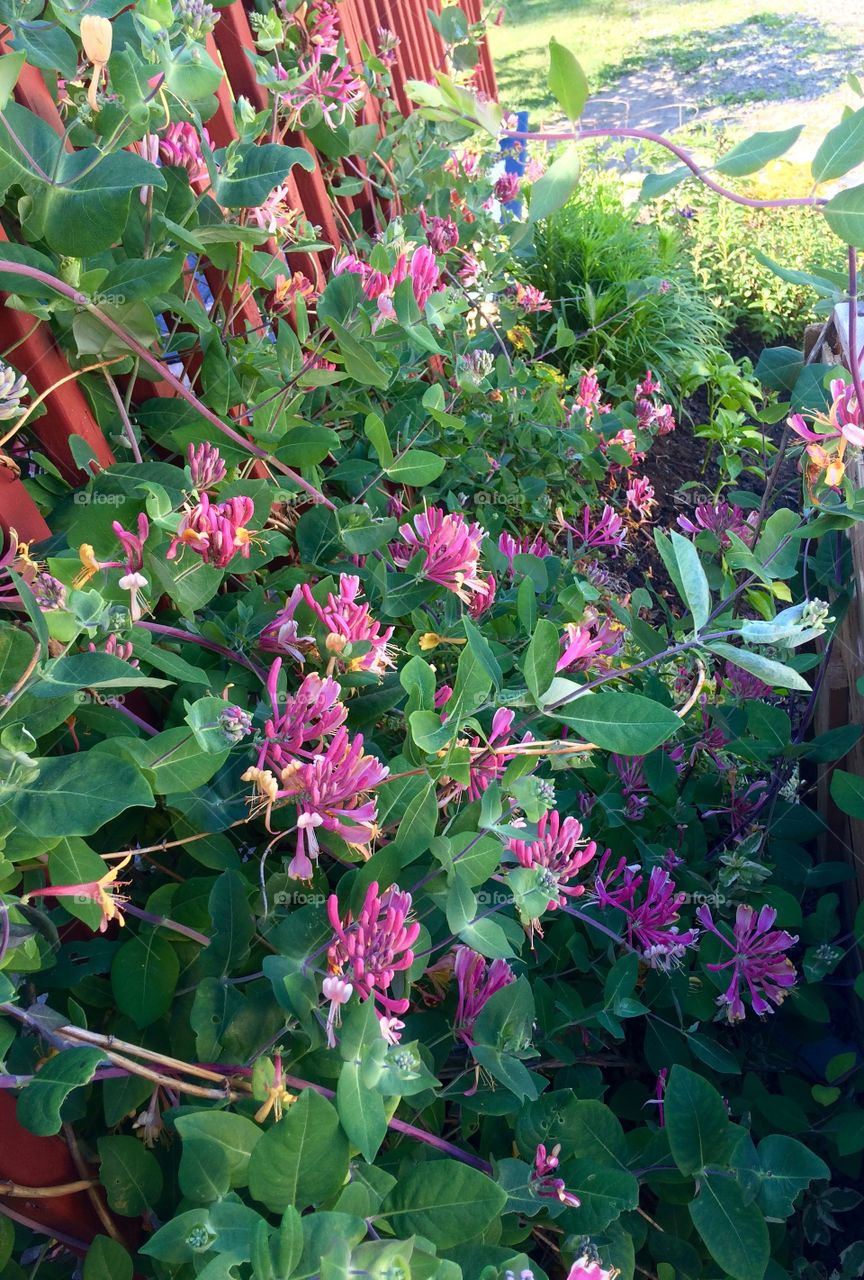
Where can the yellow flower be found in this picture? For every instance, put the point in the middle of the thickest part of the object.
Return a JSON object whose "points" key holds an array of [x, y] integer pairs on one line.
{"points": [[96, 37], [100, 891]]}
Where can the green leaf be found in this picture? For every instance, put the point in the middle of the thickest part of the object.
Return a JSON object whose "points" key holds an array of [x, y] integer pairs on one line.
{"points": [[605, 1193], [10, 69], [778, 368], [756, 151], [660, 184], [416, 467], [233, 925], [360, 364], [541, 657], [307, 444], [376, 432], [624, 722], [75, 795], [443, 1200], [361, 1111], [174, 761], [841, 149], [130, 1175], [773, 673], [567, 81], [254, 171], [215, 1139], [786, 1168], [40, 1101], [106, 1258], [734, 1231], [697, 1125], [845, 215], [847, 792], [144, 974], [47, 46], [694, 583], [91, 671], [86, 210], [554, 189], [303, 1159]]}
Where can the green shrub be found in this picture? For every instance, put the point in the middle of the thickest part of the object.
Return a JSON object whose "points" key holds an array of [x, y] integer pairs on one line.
{"points": [[626, 289]]}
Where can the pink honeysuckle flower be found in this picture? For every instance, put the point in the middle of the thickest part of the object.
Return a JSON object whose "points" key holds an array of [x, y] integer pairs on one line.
{"points": [[329, 85], [608, 532], [101, 892], [332, 791], [841, 426], [721, 519], [589, 396], [744, 685], [391, 1028], [543, 1184], [388, 43], [180, 148], [507, 188], [299, 725], [276, 213], [640, 496], [743, 805], [647, 387], [349, 621], [338, 992], [425, 274], [530, 299], [652, 924], [658, 1100], [589, 1267], [463, 163], [664, 420], [325, 29], [376, 946], [534, 169], [560, 851], [215, 531], [441, 233], [512, 547], [206, 465], [470, 269], [148, 147], [477, 983], [626, 440], [451, 549], [282, 635], [132, 543], [287, 290], [442, 696], [578, 647], [489, 761], [759, 960], [633, 785], [118, 648], [479, 604]]}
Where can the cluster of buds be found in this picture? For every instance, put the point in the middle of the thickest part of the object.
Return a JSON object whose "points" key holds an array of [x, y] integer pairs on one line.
{"points": [[559, 852], [196, 18], [13, 386], [206, 466], [235, 723]]}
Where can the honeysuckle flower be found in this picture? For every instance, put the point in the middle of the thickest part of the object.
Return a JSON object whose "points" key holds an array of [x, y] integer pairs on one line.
{"points": [[744, 685], [101, 891], [463, 163], [721, 519], [388, 43], [451, 549], [215, 531], [338, 992], [287, 289], [96, 39], [180, 147], [591, 643], [512, 547], [332, 791], [560, 851], [349, 621], [664, 420], [322, 80], [477, 983], [325, 29], [507, 188], [640, 495], [589, 1267], [300, 724], [478, 604], [206, 465], [425, 274], [441, 233], [758, 960], [543, 1184], [659, 1097], [276, 214], [531, 299], [118, 648], [652, 924], [633, 785], [196, 17], [589, 396], [13, 387], [376, 946], [647, 387], [607, 532], [282, 635], [391, 1028]]}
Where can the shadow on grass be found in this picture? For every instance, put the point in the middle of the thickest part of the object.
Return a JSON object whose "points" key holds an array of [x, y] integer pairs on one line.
{"points": [[673, 79]]}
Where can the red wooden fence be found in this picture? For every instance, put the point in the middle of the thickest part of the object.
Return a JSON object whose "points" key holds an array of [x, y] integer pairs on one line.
{"points": [[420, 54]]}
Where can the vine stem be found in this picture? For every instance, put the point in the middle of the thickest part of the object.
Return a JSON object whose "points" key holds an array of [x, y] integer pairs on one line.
{"points": [[159, 366], [647, 135]]}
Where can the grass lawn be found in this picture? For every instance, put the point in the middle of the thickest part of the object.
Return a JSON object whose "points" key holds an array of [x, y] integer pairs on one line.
{"points": [[613, 37]]}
